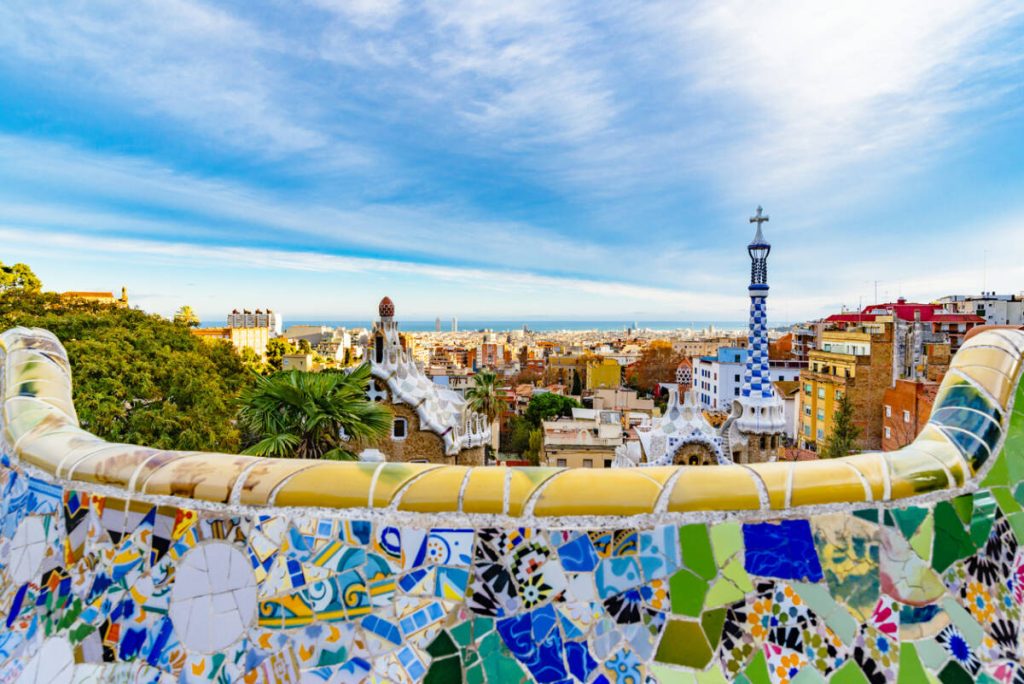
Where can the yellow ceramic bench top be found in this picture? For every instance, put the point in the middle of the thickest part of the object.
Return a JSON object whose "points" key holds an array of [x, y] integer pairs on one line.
{"points": [[970, 417]]}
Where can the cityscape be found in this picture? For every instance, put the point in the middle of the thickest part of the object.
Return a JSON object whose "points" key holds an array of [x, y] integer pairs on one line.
{"points": [[352, 342]]}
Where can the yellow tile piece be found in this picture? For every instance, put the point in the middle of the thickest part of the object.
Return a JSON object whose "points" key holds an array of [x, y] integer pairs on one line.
{"points": [[485, 491], [393, 476], [994, 338], [934, 442], [776, 478], [262, 478], [53, 449], [1005, 362], [588, 491], [915, 472], [27, 364], [714, 488], [208, 477], [434, 492], [332, 484], [523, 482], [25, 417], [52, 392], [872, 466], [111, 464], [660, 474], [826, 481]]}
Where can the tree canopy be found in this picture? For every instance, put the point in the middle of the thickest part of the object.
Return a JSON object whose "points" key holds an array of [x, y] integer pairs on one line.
{"points": [[187, 317], [137, 377], [549, 405], [18, 277], [656, 364]]}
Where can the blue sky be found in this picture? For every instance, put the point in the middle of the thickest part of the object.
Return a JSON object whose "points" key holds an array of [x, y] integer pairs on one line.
{"points": [[502, 160]]}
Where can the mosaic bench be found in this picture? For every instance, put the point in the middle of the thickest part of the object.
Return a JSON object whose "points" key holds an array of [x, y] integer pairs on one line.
{"points": [[123, 563]]}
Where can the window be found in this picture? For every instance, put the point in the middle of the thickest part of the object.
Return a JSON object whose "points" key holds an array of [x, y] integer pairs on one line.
{"points": [[839, 395], [821, 414], [588, 463], [807, 389], [399, 428], [888, 411], [888, 432], [560, 462], [821, 392], [736, 378], [807, 430], [906, 416], [607, 463], [807, 409], [821, 434], [736, 391]]}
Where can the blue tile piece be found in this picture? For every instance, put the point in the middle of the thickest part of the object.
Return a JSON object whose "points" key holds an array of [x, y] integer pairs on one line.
{"points": [[784, 550], [578, 555], [533, 638], [581, 664], [616, 575]]}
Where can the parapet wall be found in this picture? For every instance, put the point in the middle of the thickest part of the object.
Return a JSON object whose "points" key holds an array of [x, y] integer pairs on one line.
{"points": [[122, 563]]}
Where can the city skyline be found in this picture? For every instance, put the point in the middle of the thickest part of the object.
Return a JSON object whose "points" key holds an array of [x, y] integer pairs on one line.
{"points": [[512, 162]]}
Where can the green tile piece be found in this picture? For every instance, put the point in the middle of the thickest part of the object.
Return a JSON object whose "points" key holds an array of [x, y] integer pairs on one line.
{"points": [[1004, 499], [737, 574], [820, 601], [741, 679], [1016, 521], [808, 675], [726, 540], [723, 592], [921, 542], [683, 643], [757, 670], [666, 675], [850, 673], [442, 646], [711, 676], [1018, 494], [697, 554], [474, 675], [712, 623], [964, 506], [909, 519], [871, 514], [911, 670], [686, 591], [931, 653], [967, 625], [442, 670], [954, 674], [998, 474], [951, 540]]}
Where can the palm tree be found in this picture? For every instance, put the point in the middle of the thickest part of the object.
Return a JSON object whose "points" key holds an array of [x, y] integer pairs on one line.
{"points": [[483, 398], [310, 415]]}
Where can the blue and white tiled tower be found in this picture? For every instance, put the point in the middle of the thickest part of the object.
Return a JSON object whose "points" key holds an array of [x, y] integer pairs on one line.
{"points": [[758, 423]]}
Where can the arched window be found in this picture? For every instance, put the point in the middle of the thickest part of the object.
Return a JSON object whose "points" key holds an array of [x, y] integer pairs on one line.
{"points": [[399, 429]]}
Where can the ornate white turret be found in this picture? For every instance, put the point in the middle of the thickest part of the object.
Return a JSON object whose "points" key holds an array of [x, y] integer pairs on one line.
{"points": [[440, 410], [758, 411]]}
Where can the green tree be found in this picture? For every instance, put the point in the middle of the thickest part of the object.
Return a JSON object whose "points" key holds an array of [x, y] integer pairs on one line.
{"points": [[656, 364], [577, 385], [305, 415], [517, 439], [276, 349], [18, 277], [305, 347], [187, 317], [484, 398], [532, 453], [843, 439], [549, 405], [138, 378]]}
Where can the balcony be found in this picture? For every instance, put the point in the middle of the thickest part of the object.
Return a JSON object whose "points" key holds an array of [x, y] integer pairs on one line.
{"points": [[121, 561]]}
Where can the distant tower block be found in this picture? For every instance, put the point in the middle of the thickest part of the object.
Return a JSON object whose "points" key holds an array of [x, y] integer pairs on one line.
{"points": [[437, 324], [757, 424], [455, 324]]}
